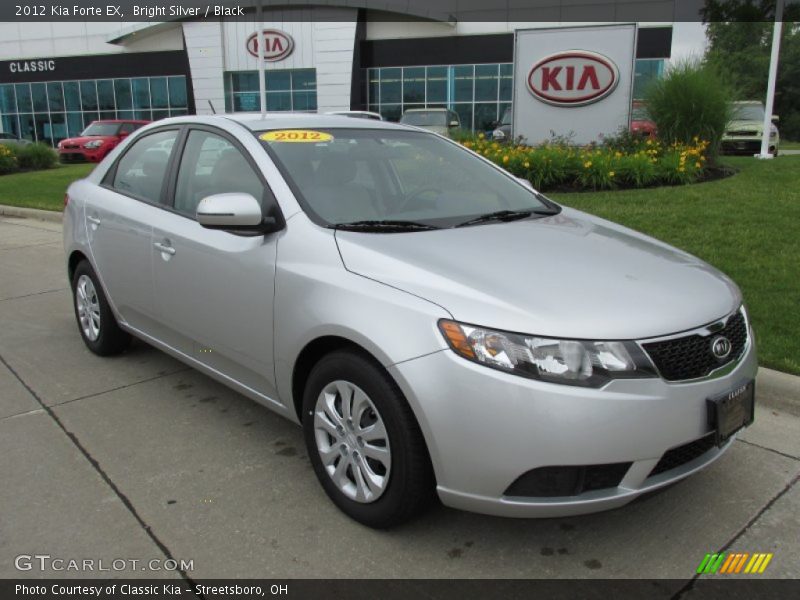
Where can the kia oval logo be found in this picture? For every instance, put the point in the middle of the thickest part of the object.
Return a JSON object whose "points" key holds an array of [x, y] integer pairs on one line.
{"points": [[721, 347], [277, 45], [573, 78]]}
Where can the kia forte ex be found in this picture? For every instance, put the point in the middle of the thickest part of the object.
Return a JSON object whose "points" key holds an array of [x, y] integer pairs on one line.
{"points": [[436, 326]]}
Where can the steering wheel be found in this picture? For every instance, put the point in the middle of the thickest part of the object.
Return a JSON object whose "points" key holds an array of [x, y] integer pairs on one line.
{"points": [[416, 196]]}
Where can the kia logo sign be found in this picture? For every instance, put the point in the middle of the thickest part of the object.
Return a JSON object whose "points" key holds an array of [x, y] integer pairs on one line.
{"points": [[277, 45], [573, 78]]}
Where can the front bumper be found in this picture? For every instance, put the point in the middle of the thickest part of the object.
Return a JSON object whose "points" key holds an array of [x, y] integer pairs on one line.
{"points": [[79, 156], [485, 429], [746, 146]]}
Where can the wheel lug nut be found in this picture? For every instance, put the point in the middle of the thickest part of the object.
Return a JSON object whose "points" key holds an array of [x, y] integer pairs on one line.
{"points": [[360, 441]]}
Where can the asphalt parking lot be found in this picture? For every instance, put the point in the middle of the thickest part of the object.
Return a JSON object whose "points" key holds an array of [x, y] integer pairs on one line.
{"points": [[138, 456]]}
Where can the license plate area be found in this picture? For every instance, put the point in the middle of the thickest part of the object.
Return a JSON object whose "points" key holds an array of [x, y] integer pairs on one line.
{"points": [[731, 411]]}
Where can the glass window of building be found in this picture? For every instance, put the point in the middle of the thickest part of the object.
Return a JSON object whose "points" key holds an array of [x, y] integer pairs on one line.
{"points": [[479, 93], [51, 111], [647, 71], [285, 90]]}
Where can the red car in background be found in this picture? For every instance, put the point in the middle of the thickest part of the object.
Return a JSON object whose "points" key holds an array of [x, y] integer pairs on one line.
{"points": [[641, 124], [97, 140]]}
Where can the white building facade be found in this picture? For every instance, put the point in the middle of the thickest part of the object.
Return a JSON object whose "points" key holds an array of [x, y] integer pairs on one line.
{"points": [[55, 78]]}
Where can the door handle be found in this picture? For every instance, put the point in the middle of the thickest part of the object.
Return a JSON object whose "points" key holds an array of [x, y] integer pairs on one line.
{"points": [[164, 248], [93, 220]]}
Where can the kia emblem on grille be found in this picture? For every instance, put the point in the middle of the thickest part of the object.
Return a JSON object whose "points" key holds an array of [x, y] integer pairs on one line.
{"points": [[721, 347]]}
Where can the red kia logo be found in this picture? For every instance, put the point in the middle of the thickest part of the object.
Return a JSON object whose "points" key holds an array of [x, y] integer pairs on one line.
{"points": [[277, 45], [573, 78]]}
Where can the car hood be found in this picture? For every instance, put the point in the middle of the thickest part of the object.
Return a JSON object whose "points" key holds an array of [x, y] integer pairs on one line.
{"points": [[88, 138], [570, 275], [745, 125]]}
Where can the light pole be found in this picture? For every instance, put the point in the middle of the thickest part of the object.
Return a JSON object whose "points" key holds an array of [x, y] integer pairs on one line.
{"points": [[773, 73]]}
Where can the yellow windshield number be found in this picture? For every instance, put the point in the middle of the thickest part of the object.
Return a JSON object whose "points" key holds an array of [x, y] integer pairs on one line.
{"points": [[296, 135]]}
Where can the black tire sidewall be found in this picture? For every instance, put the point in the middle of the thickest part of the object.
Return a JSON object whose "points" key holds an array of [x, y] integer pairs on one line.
{"points": [[392, 506], [111, 339]]}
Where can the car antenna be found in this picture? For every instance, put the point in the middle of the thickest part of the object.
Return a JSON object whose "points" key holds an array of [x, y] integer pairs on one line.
{"points": [[213, 110]]}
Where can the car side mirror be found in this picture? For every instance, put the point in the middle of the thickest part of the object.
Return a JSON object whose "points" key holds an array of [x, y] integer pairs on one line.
{"points": [[775, 118], [235, 212]]}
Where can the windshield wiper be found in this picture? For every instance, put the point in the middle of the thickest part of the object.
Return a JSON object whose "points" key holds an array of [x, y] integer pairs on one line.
{"points": [[508, 215], [384, 225]]}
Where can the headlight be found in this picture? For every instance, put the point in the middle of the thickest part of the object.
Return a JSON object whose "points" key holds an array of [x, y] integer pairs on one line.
{"points": [[571, 362], [773, 132], [93, 144], [498, 134]]}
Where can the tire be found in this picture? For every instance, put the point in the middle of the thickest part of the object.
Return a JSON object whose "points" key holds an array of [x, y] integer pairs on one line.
{"points": [[101, 334], [407, 474]]}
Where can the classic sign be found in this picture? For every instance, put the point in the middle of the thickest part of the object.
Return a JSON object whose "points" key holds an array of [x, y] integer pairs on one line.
{"points": [[277, 45], [573, 78]]}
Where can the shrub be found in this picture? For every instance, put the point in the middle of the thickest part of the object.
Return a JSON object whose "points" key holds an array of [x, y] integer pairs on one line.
{"points": [[551, 166], [625, 141], [8, 159], [37, 157], [691, 100]]}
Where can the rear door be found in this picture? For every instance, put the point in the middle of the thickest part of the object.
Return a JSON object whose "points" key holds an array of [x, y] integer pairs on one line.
{"points": [[119, 221], [214, 289]]}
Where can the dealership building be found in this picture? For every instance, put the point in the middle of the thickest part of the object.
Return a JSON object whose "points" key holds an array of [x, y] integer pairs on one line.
{"points": [[57, 77]]}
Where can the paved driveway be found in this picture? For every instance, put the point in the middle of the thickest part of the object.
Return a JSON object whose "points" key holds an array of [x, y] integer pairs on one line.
{"points": [[138, 457]]}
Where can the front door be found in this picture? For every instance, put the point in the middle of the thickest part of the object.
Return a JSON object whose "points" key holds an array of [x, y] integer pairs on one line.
{"points": [[214, 289]]}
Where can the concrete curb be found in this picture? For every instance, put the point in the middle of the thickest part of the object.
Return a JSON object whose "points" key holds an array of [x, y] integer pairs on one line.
{"points": [[31, 213], [778, 390]]}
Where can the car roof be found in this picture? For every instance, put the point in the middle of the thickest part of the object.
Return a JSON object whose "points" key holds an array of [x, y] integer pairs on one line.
{"points": [[120, 121], [437, 109], [288, 120]]}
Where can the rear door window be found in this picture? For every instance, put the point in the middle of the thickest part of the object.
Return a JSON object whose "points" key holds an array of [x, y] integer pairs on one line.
{"points": [[142, 169]]}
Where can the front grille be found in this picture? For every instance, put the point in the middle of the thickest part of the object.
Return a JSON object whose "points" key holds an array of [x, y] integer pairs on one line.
{"points": [[551, 482], [743, 132], [690, 357], [681, 455]]}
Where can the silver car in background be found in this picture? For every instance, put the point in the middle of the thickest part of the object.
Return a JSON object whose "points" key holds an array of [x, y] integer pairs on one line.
{"points": [[434, 325]]}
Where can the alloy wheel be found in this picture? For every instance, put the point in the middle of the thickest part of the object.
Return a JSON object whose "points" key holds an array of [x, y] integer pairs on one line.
{"points": [[88, 307], [352, 441]]}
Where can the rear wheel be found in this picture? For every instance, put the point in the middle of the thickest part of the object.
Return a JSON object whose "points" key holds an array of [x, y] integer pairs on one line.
{"points": [[364, 442], [96, 322]]}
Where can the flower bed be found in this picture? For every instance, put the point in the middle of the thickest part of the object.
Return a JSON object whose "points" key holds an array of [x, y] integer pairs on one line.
{"points": [[556, 166]]}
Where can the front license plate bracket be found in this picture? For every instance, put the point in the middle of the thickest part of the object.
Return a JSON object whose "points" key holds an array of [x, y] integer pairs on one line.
{"points": [[731, 411]]}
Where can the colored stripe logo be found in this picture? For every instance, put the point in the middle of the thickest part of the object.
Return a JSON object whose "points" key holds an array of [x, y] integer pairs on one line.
{"points": [[732, 563]]}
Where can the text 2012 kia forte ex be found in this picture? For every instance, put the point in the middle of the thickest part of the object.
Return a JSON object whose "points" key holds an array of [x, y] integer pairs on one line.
{"points": [[435, 325]]}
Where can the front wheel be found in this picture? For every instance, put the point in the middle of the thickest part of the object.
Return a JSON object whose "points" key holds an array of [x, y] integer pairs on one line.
{"points": [[364, 442], [96, 322]]}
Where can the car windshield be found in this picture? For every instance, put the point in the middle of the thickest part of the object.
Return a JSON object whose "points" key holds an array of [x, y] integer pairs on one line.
{"points": [[639, 113], [101, 129], [386, 175], [424, 118], [748, 112]]}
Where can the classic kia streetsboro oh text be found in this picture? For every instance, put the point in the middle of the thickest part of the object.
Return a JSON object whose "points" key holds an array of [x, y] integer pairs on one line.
{"points": [[437, 327]]}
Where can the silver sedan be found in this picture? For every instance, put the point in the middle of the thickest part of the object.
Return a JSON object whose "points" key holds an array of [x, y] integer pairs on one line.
{"points": [[435, 325]]}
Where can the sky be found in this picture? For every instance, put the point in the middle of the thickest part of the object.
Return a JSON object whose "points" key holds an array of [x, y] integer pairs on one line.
{"points": [[688, 40]]}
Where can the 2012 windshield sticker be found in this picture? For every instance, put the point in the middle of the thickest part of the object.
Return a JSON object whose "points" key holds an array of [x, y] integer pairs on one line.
{"points": [[296, 135]]}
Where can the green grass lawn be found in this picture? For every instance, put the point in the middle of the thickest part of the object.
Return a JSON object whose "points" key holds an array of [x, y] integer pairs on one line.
{"points": [[747, 225], [41, 189], [787, 145]]}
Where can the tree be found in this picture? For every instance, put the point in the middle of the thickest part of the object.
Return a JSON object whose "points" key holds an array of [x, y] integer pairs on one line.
{"points": [[740, 40]]}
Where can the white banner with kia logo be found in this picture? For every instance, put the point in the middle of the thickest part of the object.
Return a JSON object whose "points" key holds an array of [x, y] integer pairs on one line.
{"points": [[573, 81]]}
